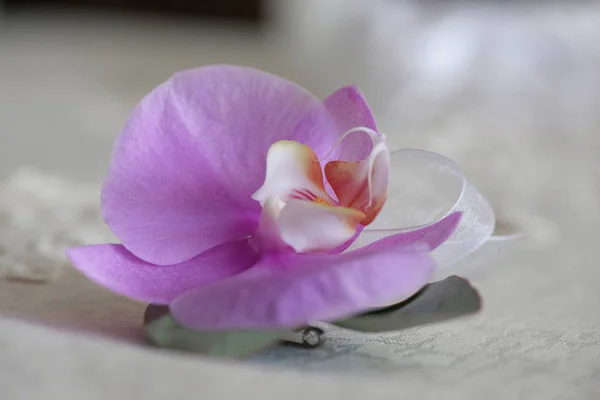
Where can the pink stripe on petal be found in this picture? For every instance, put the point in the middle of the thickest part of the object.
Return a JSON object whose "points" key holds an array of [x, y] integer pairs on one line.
{"points": [[117, 269], [295, 290], [293, 170]]}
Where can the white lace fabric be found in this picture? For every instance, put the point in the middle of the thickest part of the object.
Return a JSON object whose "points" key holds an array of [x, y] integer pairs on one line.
{"points": [[42, 215]]}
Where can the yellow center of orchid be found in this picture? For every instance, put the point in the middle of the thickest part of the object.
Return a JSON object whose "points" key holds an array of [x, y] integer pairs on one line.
{"points": [[298, 210], [320, 200]]}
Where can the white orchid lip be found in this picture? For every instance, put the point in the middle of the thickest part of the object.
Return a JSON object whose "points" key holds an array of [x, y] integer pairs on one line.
{"points": [[298, 211]]}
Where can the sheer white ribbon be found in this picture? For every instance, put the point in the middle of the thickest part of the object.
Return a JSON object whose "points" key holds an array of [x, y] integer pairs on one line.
{"points": [[425, 187]]}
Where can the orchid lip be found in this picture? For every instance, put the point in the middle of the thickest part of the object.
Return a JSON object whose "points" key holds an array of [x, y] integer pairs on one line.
{"points": [[299, 212]]}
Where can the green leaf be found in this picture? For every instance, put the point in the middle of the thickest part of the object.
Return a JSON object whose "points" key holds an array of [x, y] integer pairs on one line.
{"points": [[440, 301], [165, 332]]}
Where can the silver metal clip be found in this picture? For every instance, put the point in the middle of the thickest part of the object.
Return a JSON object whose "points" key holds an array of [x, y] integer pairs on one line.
{"points": [[308, 337]]}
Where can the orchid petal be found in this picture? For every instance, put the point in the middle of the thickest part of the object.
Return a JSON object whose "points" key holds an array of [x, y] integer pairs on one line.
{"points": [[350, 109], [267, 237], [432, 235], [426, 187], [344, 246], [294, 290], [114, 267], [427, 238], [193, 152], [362, 185], [451, 298], [311, 226], [293, 170]]}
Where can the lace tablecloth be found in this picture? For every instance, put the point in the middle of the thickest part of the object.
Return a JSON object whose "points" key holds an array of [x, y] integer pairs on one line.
{"points": [[538, 336]]}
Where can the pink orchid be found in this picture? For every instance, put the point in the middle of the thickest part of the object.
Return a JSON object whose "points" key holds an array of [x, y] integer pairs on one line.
{"points": [[241, 202]]}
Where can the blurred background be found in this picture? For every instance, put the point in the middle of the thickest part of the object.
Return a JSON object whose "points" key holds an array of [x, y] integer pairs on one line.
{"points": [[511, 90]]}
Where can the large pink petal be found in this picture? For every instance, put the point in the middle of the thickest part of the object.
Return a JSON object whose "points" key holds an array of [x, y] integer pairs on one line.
{"points": [[350, 109], [114, 267], [193, 152], [291, 291]]}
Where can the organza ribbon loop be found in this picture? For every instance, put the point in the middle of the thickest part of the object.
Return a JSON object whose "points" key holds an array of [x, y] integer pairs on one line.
{"points": [[474, 264], [425, 187]]}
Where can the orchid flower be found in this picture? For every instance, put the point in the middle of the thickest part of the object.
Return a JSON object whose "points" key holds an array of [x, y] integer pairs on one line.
{"points": [[244, 202]]}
